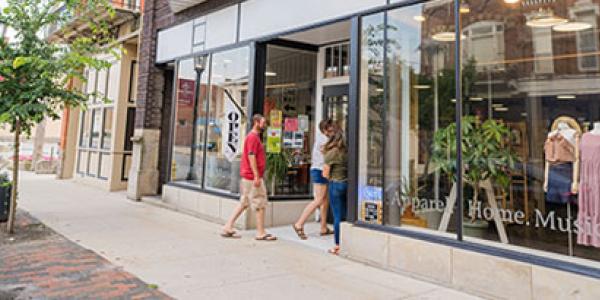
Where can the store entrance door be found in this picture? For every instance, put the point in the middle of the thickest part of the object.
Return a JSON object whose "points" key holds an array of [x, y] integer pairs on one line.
{"points": [[335, 104]]}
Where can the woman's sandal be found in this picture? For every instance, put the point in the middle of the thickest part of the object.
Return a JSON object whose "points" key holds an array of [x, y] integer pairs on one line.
{"points": [[335, 250], [267, 237], [230, 234], [300, 232], [327, 232]]}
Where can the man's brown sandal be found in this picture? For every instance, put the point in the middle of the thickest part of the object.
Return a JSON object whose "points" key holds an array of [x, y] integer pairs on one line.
{"points": [[300, 232], [327, 232], [230, 235], [267, 237]]}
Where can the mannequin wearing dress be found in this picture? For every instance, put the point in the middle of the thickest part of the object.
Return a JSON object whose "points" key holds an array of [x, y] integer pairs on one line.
{"points": [[589, 197], [596, 129]]}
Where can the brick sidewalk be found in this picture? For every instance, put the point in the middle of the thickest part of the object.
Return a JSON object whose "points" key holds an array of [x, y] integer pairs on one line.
{"points": [[38, 263]]}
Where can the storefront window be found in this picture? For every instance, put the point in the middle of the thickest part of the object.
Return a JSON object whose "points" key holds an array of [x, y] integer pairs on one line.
{"points": [[96, 127], [107, 130], [288, 106], [370, 161], [183, 122], [407, 84], [227, 119], [532, 109], [84, 138]]}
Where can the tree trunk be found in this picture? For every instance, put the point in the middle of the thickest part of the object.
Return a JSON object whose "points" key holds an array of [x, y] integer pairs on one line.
{"points": [[475, 201], [15, 181]]}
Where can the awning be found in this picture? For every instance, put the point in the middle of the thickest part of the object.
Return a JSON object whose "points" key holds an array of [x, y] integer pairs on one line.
{"points": [[179, 5]]}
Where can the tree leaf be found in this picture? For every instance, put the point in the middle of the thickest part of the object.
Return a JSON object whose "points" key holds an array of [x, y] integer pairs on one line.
{"points": [[20, 61]]}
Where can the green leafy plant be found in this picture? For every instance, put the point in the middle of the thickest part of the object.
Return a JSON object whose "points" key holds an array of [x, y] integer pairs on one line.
{"points": [[277, 168], [5, 180], [37, 74], [484, 152]]}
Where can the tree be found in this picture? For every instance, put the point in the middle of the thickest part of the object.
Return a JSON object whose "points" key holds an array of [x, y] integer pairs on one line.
{"points": [[35, 72]]}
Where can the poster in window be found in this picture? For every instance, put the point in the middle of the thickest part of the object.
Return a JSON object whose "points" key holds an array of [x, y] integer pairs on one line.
{"points": [[288, 139], [291, 124], [303, 124], [185, 92], [232, 123], [274, 140], [298, 140], [276, 117]]}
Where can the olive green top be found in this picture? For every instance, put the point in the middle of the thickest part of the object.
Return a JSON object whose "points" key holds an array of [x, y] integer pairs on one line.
{"points": [[338, 163]]}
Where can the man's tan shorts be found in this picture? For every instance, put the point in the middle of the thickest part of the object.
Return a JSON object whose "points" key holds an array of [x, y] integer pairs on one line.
{"points": [[255, 197]]}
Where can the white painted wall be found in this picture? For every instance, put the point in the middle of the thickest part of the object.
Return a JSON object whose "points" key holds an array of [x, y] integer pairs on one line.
{"points": [[266, 17]]}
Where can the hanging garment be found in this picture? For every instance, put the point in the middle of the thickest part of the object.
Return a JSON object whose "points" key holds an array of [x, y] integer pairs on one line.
{"points": [[589, 192], [560, 179], [558, 149]]}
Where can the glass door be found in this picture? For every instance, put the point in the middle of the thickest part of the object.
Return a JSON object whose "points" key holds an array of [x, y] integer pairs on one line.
{"points": [[335, 105]]}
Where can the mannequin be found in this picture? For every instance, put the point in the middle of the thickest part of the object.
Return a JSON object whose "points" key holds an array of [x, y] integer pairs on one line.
{"points": [[569, 129], [562, 165], [588, 217]]}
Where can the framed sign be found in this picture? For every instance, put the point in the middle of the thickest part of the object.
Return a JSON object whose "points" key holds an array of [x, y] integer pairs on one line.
{"points": [[372, 212]]}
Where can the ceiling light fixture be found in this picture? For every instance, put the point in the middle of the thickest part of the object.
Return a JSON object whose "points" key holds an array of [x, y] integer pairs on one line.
{"points": [[446, 36], [421, 86], [572, 26], [566, 97], [511, 1], [419, 18], [476, 99], [501, 109], [544, 19], [270, 74]]}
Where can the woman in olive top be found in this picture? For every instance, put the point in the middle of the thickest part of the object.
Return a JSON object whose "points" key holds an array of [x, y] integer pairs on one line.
{"points": [[335, 170]]}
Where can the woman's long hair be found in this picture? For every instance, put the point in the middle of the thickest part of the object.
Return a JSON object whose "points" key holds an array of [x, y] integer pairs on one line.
{"points": [[335, 142]]}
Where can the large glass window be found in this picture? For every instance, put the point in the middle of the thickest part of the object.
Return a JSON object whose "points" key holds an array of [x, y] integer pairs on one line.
{"points": [[107, 130], [96, 127], [227, 120], [532, 132], [210, 120], [84, 136], [96, 131], [183, 122], [406, 96]]}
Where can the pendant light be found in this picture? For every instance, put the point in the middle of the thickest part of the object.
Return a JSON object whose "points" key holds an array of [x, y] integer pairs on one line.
{"points": [[572, 26], [544, 19]]}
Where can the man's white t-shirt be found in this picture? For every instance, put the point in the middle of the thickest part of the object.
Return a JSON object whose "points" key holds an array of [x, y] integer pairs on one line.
{"points": [[318, 159]]}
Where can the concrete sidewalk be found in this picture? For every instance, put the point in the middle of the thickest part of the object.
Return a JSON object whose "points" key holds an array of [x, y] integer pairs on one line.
{"points": [[187, 259]]}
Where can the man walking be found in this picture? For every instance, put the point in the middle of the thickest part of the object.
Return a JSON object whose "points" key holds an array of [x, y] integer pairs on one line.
{"points": [[252, 187]]}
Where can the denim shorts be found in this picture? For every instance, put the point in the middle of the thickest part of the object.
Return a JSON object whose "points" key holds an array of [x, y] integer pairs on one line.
{"points": [[316, 176]]}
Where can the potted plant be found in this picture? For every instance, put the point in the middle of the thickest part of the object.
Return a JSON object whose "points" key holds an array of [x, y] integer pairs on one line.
{"points": [[276, 169], [5, 188], [485, 157]]}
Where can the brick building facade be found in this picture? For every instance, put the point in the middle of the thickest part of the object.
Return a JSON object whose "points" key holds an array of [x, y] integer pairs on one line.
{"points": [[153, 104]]}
